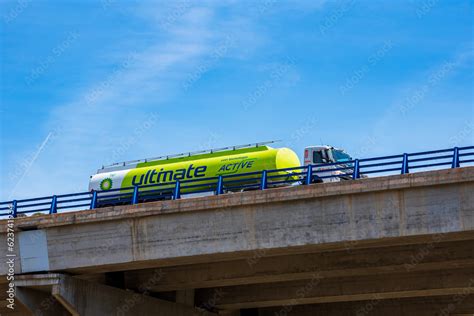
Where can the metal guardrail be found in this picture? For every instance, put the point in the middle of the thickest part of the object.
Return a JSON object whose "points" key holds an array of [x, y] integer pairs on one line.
{"points": [[397, 164]]}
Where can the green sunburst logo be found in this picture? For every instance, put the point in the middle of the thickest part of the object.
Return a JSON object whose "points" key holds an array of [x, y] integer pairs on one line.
{"points": [[106, 184]]}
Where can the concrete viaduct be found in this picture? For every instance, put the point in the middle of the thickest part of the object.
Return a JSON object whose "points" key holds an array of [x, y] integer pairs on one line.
{"points": [[397, 245]]}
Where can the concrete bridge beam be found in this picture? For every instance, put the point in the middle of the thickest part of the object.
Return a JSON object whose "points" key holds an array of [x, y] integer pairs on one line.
{"points": [[436, 254], [319, 290], [39, 302], [440, 306], [79, 297], [281, 221]]}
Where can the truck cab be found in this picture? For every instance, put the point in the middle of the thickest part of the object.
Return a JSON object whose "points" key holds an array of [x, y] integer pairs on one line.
{"points": [[318, 156]]}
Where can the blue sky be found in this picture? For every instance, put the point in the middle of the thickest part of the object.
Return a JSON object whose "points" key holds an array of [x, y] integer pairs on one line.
{"points": [[86, 83]]}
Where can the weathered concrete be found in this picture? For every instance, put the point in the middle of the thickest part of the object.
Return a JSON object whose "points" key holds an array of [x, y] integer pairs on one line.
{"points": [[18, 309], [40, 302], [423, 179], [185, 296], [391, 238], [81, 297], [399, 209], [345, 289], [459, 305], [431, 256]]}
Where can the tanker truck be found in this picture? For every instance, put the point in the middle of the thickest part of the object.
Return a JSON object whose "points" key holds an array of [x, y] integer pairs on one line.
{"points": [[196, 167]]}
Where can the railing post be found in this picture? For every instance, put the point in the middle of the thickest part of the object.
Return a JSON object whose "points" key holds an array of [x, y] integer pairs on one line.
{"points": [[220, 183], [405, 168], [455, 158], [356, 172], [94, 200], [14, 208], [177, 188], [54, 205], [309, 175], [263, 181], [135, 195]]}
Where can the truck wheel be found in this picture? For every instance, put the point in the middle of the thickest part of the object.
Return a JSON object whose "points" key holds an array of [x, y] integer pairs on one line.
{"points": [[316, 179]]}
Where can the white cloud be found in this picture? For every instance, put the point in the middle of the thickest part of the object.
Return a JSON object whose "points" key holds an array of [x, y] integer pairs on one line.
{"points": [[105, 114]]}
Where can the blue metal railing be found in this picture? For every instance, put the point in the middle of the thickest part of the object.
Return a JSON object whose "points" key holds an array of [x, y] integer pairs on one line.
{"points": [[355, 169]]}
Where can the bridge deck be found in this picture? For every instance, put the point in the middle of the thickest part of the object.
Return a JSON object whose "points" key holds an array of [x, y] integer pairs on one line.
{"points": [[393, 237]]}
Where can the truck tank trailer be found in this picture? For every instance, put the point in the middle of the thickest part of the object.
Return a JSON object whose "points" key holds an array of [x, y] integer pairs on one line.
{"points": [[233, 160]]}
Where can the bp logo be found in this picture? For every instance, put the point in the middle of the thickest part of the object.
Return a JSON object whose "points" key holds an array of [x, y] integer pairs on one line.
{"points": [[106, 184]]}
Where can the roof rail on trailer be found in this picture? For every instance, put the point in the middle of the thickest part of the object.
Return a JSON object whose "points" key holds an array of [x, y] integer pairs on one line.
{"points": [[188, 154]]}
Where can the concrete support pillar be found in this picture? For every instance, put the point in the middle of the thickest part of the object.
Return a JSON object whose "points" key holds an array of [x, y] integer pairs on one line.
{"points": [[40, 303], [185, 297], [80, 297]]}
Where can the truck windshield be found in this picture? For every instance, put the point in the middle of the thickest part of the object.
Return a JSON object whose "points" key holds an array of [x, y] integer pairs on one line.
{"points": [[340, 155], [317, 157]]}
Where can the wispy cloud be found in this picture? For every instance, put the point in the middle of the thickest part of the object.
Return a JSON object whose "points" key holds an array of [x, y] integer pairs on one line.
{"points": [[99, 118], [184, 40], [18, 174]]}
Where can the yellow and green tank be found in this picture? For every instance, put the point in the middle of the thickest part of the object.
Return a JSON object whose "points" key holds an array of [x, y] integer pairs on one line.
{"points": [[166, 171]]}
